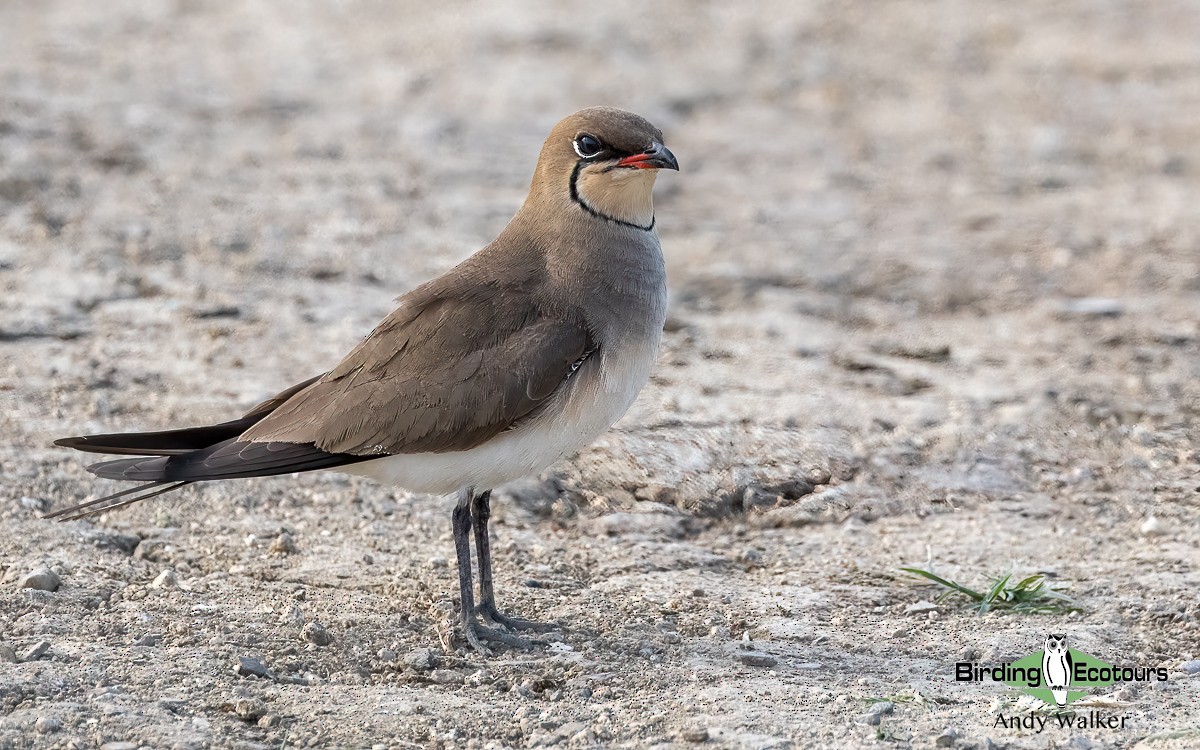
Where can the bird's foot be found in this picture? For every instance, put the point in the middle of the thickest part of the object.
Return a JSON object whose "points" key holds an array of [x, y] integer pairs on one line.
{"points": [[488, 610], [477, 634]]}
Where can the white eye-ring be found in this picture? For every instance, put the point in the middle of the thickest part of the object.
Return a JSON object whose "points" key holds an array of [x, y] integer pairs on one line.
{"points": [[588, 146]]}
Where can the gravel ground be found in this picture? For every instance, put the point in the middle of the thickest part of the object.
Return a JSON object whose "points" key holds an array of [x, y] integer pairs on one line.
{"points": [[935, 274]]}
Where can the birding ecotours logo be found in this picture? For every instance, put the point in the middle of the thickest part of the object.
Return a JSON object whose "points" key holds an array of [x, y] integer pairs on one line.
{"points": [[1056, 668], [1050, 674], [1058, 674]]}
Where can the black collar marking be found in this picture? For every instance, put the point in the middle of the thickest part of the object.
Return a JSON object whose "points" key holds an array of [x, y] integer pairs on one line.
{"points": [[583, 204]]}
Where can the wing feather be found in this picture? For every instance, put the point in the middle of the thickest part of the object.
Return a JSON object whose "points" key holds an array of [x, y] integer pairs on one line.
{"points": [[444, 372]]}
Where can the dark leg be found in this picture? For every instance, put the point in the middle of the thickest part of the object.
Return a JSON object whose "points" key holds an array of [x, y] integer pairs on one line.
{"points": [[475, 632], [481, 513]]}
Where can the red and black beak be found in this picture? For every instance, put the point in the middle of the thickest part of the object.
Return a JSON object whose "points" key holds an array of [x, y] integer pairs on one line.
{"points": [[657, 156]]}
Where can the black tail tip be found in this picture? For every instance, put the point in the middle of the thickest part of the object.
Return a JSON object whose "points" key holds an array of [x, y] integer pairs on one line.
{"points": [[70, 442]]}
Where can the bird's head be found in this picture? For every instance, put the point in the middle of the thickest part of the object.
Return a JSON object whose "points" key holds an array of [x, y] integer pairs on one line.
{"points": [[605, 160]]}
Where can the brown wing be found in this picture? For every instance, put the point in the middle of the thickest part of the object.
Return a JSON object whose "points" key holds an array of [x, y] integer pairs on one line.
{"points": [[264, 408], [444, 372]]}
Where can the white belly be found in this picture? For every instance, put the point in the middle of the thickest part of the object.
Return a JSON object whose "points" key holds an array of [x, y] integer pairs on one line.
{"points": [[595, 397]]}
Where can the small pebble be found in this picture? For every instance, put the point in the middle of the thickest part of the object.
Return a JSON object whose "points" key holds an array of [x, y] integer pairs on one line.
{"points": [[570, 729], [47, 724], [1079, 742], [583, 738], [250, 667], [7, 654], [33, 503], [750, 557], [293, 616], [249, 709], [870, 719], [525, 689], [480, 677], [119, 746], [149, 639], [990, 744], [1081, 474], [386, 654], [946, 738], [316, 634], [1153, 527], [284, 544], [420, 659], [757, 659], [42, 579], [1099, 307], [36, 651], [882, 707], [1190, 667], [165, 580], [694, 734], [921, 607], [446, 677], [268, 721]]}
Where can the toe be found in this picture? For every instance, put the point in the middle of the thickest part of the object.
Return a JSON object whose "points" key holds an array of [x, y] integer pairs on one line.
{"points": [[514, 623]]}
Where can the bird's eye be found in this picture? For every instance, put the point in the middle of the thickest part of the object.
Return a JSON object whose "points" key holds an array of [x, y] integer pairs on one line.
{"points": [[588, 146]]}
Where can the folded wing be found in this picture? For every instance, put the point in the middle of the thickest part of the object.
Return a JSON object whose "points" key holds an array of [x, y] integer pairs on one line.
{"points": [[439, 374]]}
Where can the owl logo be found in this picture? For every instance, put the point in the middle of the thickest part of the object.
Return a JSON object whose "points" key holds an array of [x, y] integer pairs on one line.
{"points": [[1057, 667]]}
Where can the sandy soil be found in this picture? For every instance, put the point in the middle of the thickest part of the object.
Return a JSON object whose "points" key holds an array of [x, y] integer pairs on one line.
{"points": [[940, 260]]}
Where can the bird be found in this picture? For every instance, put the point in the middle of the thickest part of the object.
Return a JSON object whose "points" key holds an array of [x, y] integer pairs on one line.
{"points": [[517, 357], [1057, 667]]}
